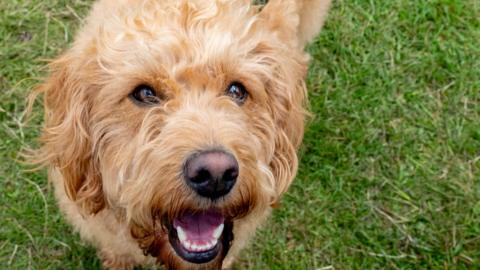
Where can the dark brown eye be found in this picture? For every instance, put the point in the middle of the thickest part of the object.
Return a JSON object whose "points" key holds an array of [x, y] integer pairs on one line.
{"points": [[145, 95], [237, 92]]}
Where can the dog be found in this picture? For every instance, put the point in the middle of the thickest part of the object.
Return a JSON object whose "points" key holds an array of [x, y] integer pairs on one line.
{"points": [[172, 127]]}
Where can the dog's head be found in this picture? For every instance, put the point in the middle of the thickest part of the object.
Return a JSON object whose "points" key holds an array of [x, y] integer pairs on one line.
{"points": [[185, 116]]}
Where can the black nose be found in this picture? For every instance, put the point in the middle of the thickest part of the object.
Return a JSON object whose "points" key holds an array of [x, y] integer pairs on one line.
{"points": [[211, 174]]}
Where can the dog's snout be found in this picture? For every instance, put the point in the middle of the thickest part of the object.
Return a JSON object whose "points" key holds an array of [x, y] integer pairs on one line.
{"points": [[211, 174]]}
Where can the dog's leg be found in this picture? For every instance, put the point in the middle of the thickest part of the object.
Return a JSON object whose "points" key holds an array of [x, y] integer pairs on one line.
{"points": [[112, 261], [228, 263]]}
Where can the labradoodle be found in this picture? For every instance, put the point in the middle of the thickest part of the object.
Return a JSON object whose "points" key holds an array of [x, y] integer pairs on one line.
{"points": [[172, 126]]}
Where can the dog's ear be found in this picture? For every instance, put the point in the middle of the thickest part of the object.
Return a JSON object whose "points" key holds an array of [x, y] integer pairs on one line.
{"points": [[290, 119], [66, 140], [297, 21]]}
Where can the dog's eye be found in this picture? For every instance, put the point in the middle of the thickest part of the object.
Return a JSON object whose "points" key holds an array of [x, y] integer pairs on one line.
{"points": [[237, 92], [145, 95]]}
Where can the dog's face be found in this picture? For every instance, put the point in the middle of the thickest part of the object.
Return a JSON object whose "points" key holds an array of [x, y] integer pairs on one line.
{"points": [[182, 116]]}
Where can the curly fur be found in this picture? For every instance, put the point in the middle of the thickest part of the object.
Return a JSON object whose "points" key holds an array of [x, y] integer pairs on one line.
{"points": [[116, 166]]}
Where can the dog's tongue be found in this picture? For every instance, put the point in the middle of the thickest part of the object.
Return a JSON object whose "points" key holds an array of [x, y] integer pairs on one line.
{"points": [[200, 227]]}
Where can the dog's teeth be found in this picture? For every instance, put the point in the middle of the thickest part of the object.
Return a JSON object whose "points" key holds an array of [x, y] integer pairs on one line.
{"points": [[218, 231], [187, 245], [206, 247], [197, 247], [212, 243], [194, 247], [182, 236]]}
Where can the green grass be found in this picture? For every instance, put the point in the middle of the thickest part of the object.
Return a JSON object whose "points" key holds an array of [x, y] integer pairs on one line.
{"points": [[389, 177]]}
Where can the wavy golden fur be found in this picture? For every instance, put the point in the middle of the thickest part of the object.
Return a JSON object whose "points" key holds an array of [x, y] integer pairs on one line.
{"points": [[116, 165]]}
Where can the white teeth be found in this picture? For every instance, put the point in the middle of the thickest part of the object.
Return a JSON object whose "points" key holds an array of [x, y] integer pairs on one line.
{"points": [[185, 244], [198, 248], [218, 231], [207, 246], [213, 243], [182, 236], [195, 247]]}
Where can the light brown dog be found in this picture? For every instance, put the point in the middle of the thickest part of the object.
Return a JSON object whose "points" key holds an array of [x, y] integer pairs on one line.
{"points": [[172, 126]]}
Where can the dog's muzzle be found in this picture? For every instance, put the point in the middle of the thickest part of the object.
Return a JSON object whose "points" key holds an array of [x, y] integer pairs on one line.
{"points": [[201, 235]]}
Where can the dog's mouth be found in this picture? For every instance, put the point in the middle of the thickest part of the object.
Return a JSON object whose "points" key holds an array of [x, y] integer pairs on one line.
{"points": [[198, 237]]}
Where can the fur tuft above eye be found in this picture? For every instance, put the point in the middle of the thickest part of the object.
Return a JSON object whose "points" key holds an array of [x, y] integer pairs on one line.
{"points": [[145, 95]]}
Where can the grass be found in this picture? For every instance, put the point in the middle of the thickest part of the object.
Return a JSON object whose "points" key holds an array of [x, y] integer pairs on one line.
{"points": [[389, 177]]}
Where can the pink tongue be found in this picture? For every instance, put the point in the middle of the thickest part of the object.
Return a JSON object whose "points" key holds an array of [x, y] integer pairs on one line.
{"points": [[199, 226]]}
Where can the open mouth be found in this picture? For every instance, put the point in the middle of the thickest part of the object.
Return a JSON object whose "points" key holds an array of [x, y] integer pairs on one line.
{"points": [[198, 237]]}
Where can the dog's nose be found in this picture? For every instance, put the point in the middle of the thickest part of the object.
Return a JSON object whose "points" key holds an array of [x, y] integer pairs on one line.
{"points": [[211, 174]]}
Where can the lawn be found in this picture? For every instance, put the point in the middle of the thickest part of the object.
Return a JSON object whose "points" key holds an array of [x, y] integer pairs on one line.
{"points": [[390, 171]]}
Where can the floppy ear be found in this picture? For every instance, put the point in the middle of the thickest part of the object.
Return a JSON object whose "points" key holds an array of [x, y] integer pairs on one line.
{"points": [[297, 21], [288, 137], [66, 142], [286, 90]]}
